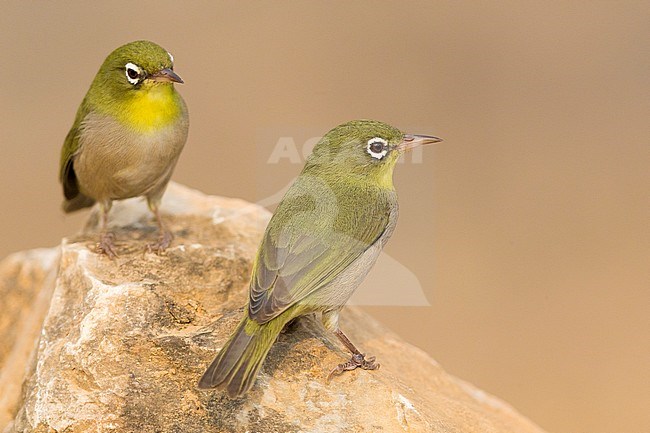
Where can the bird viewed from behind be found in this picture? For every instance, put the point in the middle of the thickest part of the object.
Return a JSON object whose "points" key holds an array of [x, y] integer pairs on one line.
{"points": [[320, 244], [126, 138]]}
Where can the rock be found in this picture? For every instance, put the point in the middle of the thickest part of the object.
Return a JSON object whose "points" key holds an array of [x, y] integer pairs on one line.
{"points": [[26, 284], [93, 345]]}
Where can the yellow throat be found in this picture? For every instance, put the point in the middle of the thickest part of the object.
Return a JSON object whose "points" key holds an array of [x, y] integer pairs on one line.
{"points": [[152, 108]]}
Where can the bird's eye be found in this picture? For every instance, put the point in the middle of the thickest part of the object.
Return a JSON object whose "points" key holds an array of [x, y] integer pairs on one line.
{"points": [[133, 73], [377, 147]]}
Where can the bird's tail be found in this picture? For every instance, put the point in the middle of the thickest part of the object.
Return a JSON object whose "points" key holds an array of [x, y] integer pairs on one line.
{"points": [[237, 364], [80, 201]]}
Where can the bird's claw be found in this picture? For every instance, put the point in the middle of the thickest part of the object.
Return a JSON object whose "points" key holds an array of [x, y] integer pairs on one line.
{"points": [[106, 245], [358, 360], [164, 241]]}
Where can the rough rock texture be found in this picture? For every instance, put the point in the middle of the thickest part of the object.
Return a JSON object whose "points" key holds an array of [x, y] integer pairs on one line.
{"points": [[123, 343]]}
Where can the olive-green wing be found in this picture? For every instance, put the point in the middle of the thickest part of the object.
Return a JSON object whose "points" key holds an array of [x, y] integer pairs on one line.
{"points": [[67, 175], [313, 236]]}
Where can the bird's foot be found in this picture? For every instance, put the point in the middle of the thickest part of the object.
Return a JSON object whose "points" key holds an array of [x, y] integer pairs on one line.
{"points": [[164, 241], [358, 360], [106, 245]]}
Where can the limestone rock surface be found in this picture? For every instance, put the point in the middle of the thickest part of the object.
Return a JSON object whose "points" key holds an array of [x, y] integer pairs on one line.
{"points": [[89, 344]]}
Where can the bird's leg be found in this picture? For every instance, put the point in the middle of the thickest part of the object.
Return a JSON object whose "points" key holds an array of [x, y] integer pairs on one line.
{"points": [[164, 236], [358, 359], [106, 238]]}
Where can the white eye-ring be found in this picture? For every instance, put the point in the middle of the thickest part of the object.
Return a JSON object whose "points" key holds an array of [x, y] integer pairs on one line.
{"points": [[133, 73], [170, 57], [377, 148]]}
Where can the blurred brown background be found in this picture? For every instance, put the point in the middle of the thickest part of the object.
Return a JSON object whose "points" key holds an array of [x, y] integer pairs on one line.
{"points": [[528, 228]]}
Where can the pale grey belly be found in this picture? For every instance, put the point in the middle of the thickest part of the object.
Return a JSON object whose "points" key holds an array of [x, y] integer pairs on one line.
{"points": [[114, 162], [338, 292]]}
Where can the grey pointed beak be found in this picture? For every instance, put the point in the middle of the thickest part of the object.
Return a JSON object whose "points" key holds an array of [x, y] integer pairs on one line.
{"points": [[411, 141], [166, 76]]}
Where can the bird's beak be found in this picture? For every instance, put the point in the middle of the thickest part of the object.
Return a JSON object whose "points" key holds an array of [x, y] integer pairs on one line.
{"points": [[166, 76], [411, 141]]}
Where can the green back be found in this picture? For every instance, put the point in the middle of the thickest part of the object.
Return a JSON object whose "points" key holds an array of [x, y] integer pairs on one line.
{"points": [[319, 229]]}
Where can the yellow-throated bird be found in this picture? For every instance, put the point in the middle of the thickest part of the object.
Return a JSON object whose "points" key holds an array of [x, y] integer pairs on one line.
{"points": [[322, 241], [127, 136]]}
